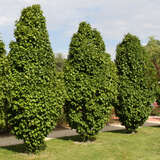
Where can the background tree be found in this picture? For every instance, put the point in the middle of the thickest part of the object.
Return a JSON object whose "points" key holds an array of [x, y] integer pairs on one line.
{"points": [[153, 63], [91, 82], [3, 63], [135, 94], [59, 61], [153, 50], [36, 100]]}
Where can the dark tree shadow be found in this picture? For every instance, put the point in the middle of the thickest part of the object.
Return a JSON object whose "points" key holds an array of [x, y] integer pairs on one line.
{"points": [[121, 131], [19, 148], [77, 138]]}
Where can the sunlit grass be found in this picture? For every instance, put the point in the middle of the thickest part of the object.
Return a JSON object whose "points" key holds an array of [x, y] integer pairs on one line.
{"points": [[116, 145]]}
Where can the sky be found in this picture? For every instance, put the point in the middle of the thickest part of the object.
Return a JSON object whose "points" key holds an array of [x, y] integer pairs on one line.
{"points": [[112, 18]]}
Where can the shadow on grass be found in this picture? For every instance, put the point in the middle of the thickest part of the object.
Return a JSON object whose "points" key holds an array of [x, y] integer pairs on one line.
{"points": [[75, 138], [19, 148], [121, 131]]}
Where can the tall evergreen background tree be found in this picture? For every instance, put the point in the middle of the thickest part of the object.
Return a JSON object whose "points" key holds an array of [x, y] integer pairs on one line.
{"points": [[59, 62], [35, 101], [91, 82], [153, 58], [135, 93], [3, 65], [153, 50]]}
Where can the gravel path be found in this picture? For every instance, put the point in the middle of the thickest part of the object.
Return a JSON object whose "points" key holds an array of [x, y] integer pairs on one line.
{"points": [[7, 140]]}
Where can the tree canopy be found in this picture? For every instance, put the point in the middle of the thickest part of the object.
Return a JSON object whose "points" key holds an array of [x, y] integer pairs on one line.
{"points": [[135, 93], [35, 101], [91, 82]]}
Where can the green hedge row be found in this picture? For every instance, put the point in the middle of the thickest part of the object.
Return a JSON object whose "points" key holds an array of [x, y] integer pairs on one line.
{"points": [[32, 92]]}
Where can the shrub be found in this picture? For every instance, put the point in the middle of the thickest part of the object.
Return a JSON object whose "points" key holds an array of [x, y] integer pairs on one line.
{"points": [[135, 93], [91, 82], [35, 102]]}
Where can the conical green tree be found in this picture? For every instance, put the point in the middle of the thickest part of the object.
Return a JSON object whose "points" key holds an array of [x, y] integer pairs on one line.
{"points": [[3, 61], [91, 82], [135, 95], [34, 107]]}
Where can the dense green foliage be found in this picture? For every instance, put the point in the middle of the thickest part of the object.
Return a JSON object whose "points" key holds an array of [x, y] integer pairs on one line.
{"points": [[153, 50], [91, 82], [59, 62], [3, 63], [153, 57], [135, 93], [35, 98], [61, 87]]}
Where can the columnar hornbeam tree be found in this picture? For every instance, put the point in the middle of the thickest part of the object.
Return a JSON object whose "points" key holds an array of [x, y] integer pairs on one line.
{"points": [[135, 93], [91, 82], [34, 107]]}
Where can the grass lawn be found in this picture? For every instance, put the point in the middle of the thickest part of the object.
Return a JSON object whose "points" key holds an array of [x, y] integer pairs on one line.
{"points": [[116, 145]]}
